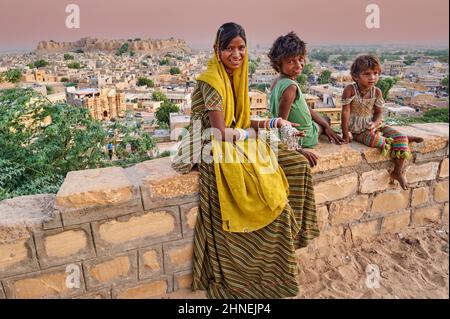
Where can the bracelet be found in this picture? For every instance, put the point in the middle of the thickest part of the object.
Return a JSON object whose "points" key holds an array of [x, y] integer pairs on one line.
{"points": [[276, 122], [245, 135]]}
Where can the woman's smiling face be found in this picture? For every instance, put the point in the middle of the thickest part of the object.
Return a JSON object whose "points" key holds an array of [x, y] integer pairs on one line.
{"points": [[233, 55]]}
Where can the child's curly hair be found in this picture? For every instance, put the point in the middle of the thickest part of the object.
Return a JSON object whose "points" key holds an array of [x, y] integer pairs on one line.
{"points": [[365, 62], [286, 46]]}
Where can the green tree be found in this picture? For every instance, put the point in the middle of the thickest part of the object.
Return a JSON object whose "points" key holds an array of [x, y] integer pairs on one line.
{"points": [[164, 61], [74, 65], [142, 81], [385, 85], [308, 70], [324, 77], [41, 142], [159, 96], [68, 56], [444, 82], [174, 70], [64, 79], [163, 113], [302, 80], [252, 65], [40, 63], [123, 49], [12, 76]]}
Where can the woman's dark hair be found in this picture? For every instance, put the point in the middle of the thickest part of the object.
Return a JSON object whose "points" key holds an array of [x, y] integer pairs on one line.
{"points": [[286, 46], [228, 32], [363, 63]]}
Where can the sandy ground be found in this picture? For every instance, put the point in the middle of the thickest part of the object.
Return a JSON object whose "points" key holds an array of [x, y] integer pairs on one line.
{"points": [[411, 264]]}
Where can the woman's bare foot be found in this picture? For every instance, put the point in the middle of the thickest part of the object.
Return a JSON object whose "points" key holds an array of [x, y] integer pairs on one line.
{"points": [[401, 179], [415, 139]]}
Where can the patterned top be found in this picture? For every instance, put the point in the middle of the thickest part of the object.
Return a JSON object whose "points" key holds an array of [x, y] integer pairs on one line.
{"points": [[205, 98], [362, 109]]}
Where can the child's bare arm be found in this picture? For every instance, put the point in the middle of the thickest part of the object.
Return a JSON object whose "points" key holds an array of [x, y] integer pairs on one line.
{"points": [[378, 112], [345, 115], [288, 97]]}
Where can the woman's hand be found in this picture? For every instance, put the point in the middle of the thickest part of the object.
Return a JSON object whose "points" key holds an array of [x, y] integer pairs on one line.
{"points": [[281, 122], [312, 158], [332, 136]]}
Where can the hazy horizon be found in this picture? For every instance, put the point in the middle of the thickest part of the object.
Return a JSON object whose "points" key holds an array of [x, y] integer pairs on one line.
{"points": [[403, 23]]}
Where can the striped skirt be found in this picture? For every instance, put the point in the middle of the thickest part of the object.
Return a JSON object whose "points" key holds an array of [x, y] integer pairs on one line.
{"points": [[390, 141], [259, 264]]}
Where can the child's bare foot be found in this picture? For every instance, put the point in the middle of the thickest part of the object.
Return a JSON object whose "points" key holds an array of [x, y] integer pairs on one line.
{"points": [[401, 179], [415, 139]]}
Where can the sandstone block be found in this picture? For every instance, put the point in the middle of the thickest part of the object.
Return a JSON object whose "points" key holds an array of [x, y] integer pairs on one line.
{"points": [[60, 282], [348, 210], [441, 192], [445, 214], [390, 201], [57, 247], [422, 172], [371, 155], [110, 271], [98, 294], [336, 188], [182, 280], [188, 218], [395, 223], [135, 231], [2, 293], [426, 215], [322, 217], [151, 262], [332, 156], [178, 255], [144, 290], [443, 171], [365, 230], [97, 194], [435, 136], [420, 196], [374, 181], [17, 257]]}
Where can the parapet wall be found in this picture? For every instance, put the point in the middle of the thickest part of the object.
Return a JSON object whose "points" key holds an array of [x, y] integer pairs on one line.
{"points": [[128, 233]]}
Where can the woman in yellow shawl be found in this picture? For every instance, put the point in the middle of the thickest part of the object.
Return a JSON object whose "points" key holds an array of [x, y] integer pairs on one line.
{"points": [[256, 207]]}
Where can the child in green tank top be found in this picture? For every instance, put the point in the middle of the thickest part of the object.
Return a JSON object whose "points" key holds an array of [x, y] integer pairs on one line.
{"points": [[287, 56]]}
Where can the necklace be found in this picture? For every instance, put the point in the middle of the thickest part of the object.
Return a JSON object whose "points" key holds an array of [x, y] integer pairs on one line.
{"points": [[361, 93]]}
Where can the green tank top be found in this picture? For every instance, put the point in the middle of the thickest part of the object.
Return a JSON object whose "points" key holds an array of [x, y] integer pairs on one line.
{"points": [[299, 112]]}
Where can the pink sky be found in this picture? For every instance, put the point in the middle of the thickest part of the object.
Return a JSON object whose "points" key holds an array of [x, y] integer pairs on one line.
{"points": [[24, 23]]}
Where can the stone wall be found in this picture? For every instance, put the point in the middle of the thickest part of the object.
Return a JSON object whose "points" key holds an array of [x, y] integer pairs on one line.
{"points": [[128, 233]]}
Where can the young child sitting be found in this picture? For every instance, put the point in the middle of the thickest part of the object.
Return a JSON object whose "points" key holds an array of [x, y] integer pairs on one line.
{"points": [[362, 116], [287, 56]]}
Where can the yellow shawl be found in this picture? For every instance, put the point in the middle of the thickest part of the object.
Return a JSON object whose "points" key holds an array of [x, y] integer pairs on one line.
{"points": [[252, 188]]}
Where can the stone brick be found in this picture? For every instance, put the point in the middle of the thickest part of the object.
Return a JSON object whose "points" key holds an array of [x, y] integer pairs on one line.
{"points": [[188, 218], [336, 188], [395, 223], [326, 240], [178, 255], [333, 156], [52, 283], [162, 186], [99, 294], [144, 290], [374, 181], [390, 201], [365, 230], [426, 215], [135, 231], [182, 280], [443, 171], [57, 247], [371, 155], [111, 271], [348, 210], [435, 136], [150, 262], [322, 217], [445, 214], [441, 192], [430, 157], [422, 172], [2, 293], [97, 194], [55, 222], [17, 257], [420, 196]]}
